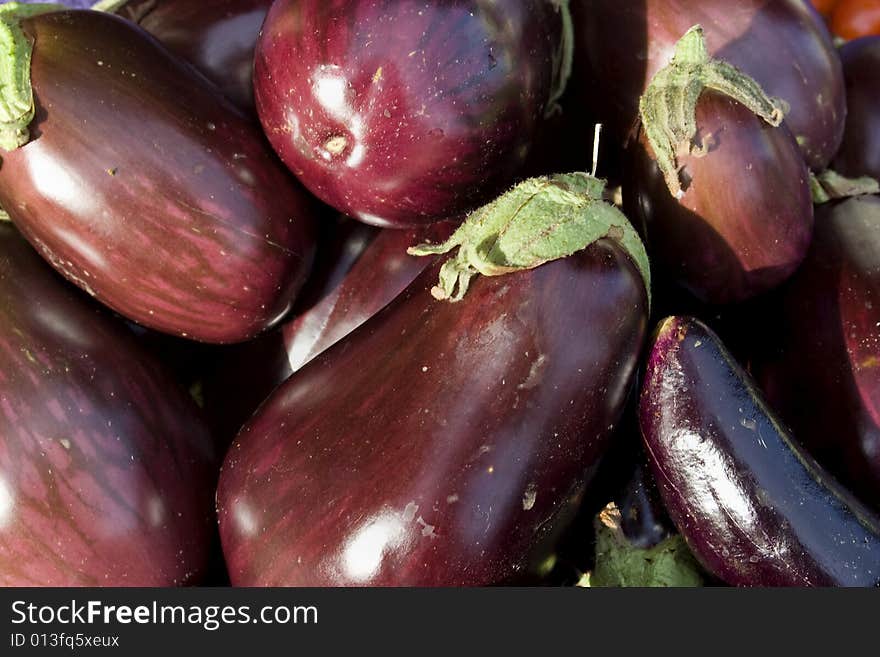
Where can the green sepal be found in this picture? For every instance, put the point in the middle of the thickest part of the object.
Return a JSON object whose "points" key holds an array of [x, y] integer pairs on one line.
{"points": [[564, 57], [668, 107], [539, 220], [620, 564], [16, 96], [108, 6], [831, 186]]}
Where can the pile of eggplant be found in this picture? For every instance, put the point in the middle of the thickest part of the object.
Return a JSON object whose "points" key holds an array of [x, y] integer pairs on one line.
{"points": [[438, 293]]}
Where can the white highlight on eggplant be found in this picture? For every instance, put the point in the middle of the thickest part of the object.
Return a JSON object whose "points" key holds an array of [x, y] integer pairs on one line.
{"points": [[7, 503], [365, 551]]}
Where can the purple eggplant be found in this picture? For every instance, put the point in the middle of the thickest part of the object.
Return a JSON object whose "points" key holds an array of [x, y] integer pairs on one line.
{"points": [[859, 153], [360, 272], [823, 372], [440, 443], [402, 113], [217, 37], [744, 220], [145, 187], [106, 467], [783, 44], [753, 506]]}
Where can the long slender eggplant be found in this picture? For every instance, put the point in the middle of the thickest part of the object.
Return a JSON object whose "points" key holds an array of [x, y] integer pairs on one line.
{"points": [[358, 273], [744, 219], [859, 154], [753, 506], [106, 467], [217, 37], [783, 44], [822, 373], [402, 113], [442, 443], [148, 189]]}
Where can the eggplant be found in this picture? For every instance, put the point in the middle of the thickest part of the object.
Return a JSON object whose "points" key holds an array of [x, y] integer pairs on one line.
{"points": [[783, 44], [405, 113], [446, 442], [360, 271], [106, 466], [744, 220], [643, 520], [218, 37], [149, 190], [822, 371], [753, 506], [859, 154]]}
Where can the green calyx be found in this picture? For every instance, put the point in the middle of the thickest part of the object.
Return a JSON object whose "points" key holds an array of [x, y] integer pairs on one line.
{"points": [[621, 564], [108, 6], [539, 220], [16, 95], [668, 107], [564, 58], [831, 186]]}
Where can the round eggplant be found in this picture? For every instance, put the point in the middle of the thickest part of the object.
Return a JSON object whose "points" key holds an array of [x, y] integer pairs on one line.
{"points": [[744, 220], [754, 508], [784, 45], [358, 273], [106, 467], [402, 113], [440, 443], [823, 372], [149, 190], [216, 37], [859, 153]]}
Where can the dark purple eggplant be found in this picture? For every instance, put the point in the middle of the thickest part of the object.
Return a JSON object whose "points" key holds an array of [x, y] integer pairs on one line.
{"points": [[145, 187], [106, 467], [823, 372], [859, 154], [744, 221], [446, 443], [753, 506], [402, 113], [359, 273], [217, 37], [783, 44], [643, 520]]}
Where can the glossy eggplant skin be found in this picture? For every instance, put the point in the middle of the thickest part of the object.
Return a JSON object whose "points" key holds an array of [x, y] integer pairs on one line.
{"points": [[149, 190], [401, 113], [358, 272], [218, 37], [823, 373], [745, 220], [859, 154], [782, 44], [754, 508], [439, 444], [106, 467]]}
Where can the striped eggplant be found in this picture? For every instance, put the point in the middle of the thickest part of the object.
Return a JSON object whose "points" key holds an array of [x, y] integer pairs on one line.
{"points": [[744, 220], [822, 372], [106, 467], [217, 37], [145, 187], [445, 443], [783, 44], [753, 506], [405, 112]]}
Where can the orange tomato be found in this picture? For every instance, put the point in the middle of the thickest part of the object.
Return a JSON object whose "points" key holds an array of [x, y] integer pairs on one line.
{"points": [[852, 19], [825, 7]]}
